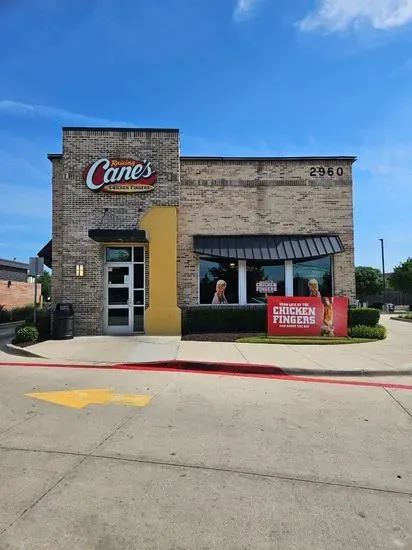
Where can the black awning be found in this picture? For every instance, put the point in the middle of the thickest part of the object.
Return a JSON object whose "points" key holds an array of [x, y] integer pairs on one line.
{"points": [[118, 235], [267, 247], [47, 254]]}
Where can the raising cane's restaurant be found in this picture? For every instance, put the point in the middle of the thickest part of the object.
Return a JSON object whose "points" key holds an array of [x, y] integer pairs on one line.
{"points": [[142, 234]]}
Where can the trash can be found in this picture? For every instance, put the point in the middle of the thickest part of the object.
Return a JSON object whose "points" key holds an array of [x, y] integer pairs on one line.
{"points": [[63, 322]]}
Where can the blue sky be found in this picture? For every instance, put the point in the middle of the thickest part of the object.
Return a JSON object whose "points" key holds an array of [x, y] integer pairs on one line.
{"points": [[238, 77]]}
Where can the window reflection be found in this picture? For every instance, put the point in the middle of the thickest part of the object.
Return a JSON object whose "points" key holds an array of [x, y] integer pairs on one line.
{"points": [[118, 317], [314, 271], [138, 254], [118, 275], [138, 319], [138, 276]]}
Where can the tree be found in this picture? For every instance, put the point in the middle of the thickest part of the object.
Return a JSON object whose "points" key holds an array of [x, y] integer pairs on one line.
{"points": [[368, 281], [45, 281], [402, 277]]}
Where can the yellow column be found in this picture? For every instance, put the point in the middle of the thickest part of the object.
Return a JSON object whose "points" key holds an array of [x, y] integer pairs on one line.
{"points": [[163, 316]]}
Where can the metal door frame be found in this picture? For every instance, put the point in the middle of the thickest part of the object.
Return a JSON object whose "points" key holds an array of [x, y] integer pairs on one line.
{"points": [[122, 329]]}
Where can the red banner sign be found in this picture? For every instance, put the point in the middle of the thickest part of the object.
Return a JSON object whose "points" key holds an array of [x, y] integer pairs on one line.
{"points": [[307, 316], [120, 176]]}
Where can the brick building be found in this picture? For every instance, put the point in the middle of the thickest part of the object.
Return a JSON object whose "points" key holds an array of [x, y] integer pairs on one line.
{"points": [[10, 270], [140, 231], [16, 290]]}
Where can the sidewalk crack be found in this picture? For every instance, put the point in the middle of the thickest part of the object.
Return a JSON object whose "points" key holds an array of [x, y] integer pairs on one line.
{"points": [[41, 497], [398, 402]]}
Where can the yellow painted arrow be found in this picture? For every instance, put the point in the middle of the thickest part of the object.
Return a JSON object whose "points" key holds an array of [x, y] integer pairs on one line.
{"points": [[79, 399]]}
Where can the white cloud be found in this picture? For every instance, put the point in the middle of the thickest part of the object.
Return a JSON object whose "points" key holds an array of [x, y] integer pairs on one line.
{"points": [[337, 15], [16, 108], [244, 8]]}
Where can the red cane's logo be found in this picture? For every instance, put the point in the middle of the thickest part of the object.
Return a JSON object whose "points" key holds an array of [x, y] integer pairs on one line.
{"points": [[120, 176]]}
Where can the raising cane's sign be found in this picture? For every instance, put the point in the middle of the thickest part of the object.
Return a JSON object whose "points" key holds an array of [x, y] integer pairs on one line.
{"points": [[120, 176], [307, 316]]}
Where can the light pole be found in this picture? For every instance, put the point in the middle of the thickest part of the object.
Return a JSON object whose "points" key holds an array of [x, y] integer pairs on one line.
{"points": [[383, 265]]}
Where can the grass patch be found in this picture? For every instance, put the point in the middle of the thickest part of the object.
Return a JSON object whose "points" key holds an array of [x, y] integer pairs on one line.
{"points": [[407, 316], [303, 340]]}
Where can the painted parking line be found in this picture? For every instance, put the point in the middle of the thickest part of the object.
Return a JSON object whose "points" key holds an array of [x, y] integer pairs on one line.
{"points": [[226, 369]]}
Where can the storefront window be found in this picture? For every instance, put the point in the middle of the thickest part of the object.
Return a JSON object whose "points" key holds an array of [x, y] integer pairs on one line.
{"points": [[259, 273], [319, 270], [218, 282]]}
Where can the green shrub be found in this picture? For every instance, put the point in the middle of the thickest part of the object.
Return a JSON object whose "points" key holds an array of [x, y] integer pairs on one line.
{"points": [[24, 313], [224, 319], [5, 315], [364, 316], [43, 323], [26, 334], [364, 331]]}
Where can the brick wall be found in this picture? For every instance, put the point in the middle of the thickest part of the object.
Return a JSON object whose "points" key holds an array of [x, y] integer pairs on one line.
{"points": [[57, 230], [19, 294], [252, 197], [76, 209]]}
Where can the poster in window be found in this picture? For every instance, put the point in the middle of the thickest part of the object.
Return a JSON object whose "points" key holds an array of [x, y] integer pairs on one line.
{"points": [[219, 296]]}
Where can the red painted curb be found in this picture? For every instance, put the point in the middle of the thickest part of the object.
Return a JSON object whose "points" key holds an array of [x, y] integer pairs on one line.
{"points": [[181, 365], [242, 371], [206, 366]]}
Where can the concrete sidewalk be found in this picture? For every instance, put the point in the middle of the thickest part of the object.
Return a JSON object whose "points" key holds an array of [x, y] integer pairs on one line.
{"points": [[392, 356]]}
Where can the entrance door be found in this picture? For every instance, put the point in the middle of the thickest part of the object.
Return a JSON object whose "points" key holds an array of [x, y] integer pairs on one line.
{"points": [[124, 282], [119, 308]]}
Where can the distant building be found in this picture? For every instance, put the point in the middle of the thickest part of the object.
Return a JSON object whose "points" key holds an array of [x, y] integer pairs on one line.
{"points": [[11, 270], [16, 287]]}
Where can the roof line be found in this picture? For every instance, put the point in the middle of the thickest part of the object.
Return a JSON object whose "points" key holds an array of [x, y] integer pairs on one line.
{"points": [[14, 263], [326, 157], [300, 235], [107, 129]]}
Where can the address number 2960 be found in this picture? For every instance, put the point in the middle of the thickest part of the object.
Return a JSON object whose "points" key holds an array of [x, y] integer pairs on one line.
{"points": [[322, 171]]}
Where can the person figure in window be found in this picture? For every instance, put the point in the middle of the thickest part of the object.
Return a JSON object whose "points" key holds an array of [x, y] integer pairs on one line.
{"points": [[219, 297], [314, 289]]}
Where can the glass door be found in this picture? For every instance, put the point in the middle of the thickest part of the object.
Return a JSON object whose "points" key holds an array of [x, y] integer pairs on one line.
{"points": [[118, 299]]}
